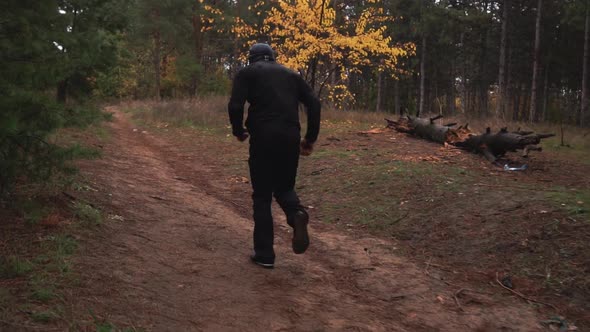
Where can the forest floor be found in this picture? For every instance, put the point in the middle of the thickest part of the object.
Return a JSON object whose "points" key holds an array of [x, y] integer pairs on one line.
{"points": [[405, 236]]}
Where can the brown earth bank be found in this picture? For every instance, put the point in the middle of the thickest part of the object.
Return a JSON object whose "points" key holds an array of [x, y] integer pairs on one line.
{"points": [[174, 256]]}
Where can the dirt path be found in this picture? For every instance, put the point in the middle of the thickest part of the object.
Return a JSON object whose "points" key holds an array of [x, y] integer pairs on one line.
{"points": [[179, 262]]}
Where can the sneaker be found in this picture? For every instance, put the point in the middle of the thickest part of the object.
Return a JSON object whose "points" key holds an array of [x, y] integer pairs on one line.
{"points": [[264, 262], [300, 236]]}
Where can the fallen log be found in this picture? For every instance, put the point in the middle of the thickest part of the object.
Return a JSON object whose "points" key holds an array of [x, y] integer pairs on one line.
{"points": [[425, 128], [494, 146], [402, 125], [491, 145]]}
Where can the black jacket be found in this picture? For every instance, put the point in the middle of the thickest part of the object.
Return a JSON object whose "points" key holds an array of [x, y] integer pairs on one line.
{"points": [[274, 93]]}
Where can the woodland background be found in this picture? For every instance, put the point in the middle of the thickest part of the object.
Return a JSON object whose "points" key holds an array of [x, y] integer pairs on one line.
{"points": [[523, 60], [162, 69]]}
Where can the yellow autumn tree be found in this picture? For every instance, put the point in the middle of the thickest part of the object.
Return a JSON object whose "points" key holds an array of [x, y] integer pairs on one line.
{"points": [[326, 45]]}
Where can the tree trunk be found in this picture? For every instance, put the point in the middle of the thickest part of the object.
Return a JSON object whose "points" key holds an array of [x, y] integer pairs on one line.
{"points": [[157, 57], [316, 59], [472, 97], [545, 93], [501, 85], [236, 64], [533, 108], [422, 76], [508, 98], [482, 93], [584, 106], [517, 102], [396, 103], [451, 91], [157, 68], [463, 75], [379, 88], [198, 42]]}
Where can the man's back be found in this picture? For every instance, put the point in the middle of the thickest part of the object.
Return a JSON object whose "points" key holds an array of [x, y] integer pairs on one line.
{"points": [[274, 93]]}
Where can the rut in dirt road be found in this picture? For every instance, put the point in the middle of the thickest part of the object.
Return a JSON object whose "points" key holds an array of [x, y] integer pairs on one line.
{"points": [[179, 262]]}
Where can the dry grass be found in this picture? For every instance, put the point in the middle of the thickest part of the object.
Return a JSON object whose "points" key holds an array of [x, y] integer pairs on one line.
{"points": [[209, 109], [210, 113], [206, 113], [360, 117]]}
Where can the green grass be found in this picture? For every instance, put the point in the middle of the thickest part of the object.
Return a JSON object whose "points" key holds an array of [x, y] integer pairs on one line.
{"points": [[372, 195], [58, 249], [87, 214], [43, 293], [33, 210], [41, 263], [102, 325], [45, 274], [102, 133], [109, 327], [63, 245], [44, 316], [14, 267], [575, 202], [577, 147], [5, 297]]}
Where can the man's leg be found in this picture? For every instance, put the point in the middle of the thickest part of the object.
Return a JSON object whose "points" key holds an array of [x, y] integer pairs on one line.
{"points": [[260, 168], [263, 226], [284, 178]]}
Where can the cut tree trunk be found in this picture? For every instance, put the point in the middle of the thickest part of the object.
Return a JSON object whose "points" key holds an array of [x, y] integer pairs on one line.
{"points": [[493, 146], [427, 129], [497, 145]]}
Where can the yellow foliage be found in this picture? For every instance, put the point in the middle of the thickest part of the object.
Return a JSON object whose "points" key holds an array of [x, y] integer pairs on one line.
{"points": [[208, 15], [305, 31], [340, 96]]}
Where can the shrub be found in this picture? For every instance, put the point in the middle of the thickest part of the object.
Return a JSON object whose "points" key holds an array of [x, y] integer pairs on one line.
{"points": [[87, 214]]}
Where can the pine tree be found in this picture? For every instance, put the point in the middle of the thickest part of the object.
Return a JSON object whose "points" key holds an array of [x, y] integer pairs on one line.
{"points": [[47, 45]]}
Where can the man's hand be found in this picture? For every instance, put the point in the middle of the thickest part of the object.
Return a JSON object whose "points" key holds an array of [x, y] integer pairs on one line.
{"points": [[306, 148], [243, 137]]}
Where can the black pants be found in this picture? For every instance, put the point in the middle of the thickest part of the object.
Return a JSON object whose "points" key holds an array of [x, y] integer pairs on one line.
{"points": [[274, 157]]}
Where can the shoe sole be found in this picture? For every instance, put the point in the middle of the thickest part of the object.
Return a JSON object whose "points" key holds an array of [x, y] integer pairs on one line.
{"points": [[300, 236], [264, 265]]}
